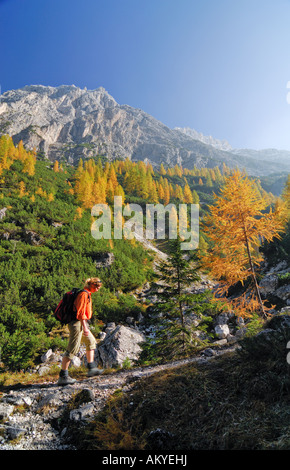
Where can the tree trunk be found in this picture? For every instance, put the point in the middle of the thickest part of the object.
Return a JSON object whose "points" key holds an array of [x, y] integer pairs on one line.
{"points": [[253, 270], [180, 306]]}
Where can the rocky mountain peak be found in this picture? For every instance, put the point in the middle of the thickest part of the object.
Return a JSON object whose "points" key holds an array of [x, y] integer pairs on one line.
{"points": [[68, 123]]}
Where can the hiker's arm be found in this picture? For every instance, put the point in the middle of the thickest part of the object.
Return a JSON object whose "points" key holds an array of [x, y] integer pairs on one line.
{"points": [[85, 327], [81, 303]]}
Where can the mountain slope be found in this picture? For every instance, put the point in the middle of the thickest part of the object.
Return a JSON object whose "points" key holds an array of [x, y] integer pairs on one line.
{"points": [[68, 122]]}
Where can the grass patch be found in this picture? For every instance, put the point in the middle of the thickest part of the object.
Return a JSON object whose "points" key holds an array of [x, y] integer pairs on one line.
{"points": [[225, 404]]}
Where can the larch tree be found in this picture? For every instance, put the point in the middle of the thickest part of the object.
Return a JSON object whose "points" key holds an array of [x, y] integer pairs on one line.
{"points": [[187, 195], [56, 166], [237, 224]]}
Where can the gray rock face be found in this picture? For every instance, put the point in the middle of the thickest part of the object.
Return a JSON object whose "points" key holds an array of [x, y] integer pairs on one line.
{"points": [[71, 122]]}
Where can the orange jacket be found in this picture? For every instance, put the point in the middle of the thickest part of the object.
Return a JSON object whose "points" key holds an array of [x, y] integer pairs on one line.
{"points": [[83, 304]]}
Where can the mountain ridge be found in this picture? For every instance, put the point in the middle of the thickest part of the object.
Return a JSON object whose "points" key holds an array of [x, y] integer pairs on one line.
{"points": [[69, 123]]}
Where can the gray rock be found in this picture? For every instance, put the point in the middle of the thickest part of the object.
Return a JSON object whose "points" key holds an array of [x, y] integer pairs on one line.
{"points": [[268, 284], [209, 352], [14, 432], [283, 292], [222, 331], [33, 238], [50, 400], [5, 410], [103, 259], [84, 412], [222, 319], [46, 356], [119, 345], [43, 370], [3, 213], [76, 361]]}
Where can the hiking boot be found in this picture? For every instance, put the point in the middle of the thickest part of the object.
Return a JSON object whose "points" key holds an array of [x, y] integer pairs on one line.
{"points": [[66, 380], [94, 371]]}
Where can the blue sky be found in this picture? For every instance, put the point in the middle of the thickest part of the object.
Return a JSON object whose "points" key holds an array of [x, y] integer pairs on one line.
{"points": [[218, 66]]}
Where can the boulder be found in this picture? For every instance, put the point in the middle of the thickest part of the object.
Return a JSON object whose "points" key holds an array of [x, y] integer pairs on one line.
{"points": [[268, 284], [269, 343], [46, 356], [103, 259], [3, 213], [120, 344], [33, 238], [5, 411], [222, 331]]}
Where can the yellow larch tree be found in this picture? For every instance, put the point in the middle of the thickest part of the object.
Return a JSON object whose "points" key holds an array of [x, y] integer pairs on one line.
{"points": [[166, 190], [187, 194], [56, 166], [153, 196], [162, 170], [160, 193], [29, 163], [178, 193], [22, 191], [84, 189], [112, 177], [99, 191], [236, 225]]}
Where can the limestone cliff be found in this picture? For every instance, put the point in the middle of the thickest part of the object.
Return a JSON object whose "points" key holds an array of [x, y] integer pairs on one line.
{"points": [[69, 122]]}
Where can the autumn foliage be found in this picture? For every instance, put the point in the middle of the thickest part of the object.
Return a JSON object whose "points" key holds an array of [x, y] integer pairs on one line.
{"points": [[236, 225], [9, 153], [98, 184]]}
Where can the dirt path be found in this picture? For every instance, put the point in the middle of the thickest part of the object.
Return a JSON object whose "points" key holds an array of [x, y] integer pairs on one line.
{"points": [[29, 413]]}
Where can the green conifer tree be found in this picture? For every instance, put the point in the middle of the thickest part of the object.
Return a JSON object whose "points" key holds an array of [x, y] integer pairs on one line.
{"points": [[173, 334]]}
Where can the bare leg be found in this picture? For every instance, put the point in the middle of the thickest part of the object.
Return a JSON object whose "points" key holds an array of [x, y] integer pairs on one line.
{"points": [[90, 355], [65, 363]]}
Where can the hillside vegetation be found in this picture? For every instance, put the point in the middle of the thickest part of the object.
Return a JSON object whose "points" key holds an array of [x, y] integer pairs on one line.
{"points": [[46, 245]]}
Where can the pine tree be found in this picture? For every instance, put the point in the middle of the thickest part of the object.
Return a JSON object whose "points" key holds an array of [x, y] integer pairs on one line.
{"points": [[173, 337]]}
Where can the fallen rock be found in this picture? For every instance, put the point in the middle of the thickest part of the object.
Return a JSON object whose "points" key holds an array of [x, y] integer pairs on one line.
{"points": [[119, 345], [268, 284], [5, 410], [222, 331], [3, 212], [14, 432]]}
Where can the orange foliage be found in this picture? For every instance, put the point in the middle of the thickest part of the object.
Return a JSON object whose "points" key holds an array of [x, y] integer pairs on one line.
{"points": [[236, 225]]}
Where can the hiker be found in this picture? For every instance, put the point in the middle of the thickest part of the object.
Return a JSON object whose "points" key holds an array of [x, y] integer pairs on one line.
{"points": [[79, 331]]}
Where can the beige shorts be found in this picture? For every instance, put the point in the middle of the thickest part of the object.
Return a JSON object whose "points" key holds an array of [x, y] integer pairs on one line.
{"points": [[76, 337]]}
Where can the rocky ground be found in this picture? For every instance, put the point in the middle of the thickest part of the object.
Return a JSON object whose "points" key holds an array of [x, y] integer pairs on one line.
{"points": [[31, 415]]}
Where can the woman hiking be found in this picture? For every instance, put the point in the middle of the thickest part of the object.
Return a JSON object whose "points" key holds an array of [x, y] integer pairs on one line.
{"points": [[79, 331]]}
